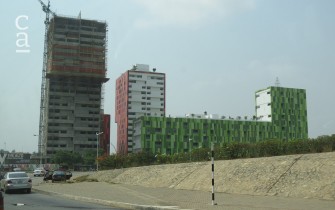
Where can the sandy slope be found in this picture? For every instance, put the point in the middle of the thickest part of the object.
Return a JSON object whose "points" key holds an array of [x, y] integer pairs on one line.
{"points": [[305, 176]]}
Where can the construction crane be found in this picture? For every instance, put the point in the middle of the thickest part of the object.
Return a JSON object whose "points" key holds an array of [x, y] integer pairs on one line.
{"points": [[41, 133]]}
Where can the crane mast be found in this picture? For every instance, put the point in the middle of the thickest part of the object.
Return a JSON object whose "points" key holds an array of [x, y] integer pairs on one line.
{"points": [[42, 133]]}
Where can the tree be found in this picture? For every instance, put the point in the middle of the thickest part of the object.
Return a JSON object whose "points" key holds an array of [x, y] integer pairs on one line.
{"points": [[90, 157], [68, 158]]}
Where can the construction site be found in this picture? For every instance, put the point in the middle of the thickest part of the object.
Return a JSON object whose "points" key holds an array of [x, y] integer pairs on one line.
{"points": [[74, 71]]}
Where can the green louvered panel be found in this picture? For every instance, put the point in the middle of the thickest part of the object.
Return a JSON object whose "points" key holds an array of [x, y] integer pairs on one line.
{"points": [[171, 135]]}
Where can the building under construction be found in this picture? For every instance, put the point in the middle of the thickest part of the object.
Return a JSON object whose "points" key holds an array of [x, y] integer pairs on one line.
{"points": [[76, 68]]}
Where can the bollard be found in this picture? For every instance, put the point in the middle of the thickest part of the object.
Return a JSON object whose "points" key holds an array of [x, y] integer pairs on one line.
{"points": [[1, 201]]}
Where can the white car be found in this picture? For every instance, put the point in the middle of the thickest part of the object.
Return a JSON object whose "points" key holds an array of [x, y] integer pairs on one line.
{"points": [[16, 181], [39, 172]]}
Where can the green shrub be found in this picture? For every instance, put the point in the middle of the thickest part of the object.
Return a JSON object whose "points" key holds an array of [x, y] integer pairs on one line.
{"points": [[234, 150]]}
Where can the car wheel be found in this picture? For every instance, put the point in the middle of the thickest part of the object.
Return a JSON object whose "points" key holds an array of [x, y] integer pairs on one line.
{"points": [[29, 190]]}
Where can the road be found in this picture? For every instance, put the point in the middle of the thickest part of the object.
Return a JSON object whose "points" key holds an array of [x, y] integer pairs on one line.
{"points": [[37, 201]]}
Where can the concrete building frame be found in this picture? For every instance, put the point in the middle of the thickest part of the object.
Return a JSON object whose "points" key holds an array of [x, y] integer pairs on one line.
{"points": [[76, 71]]}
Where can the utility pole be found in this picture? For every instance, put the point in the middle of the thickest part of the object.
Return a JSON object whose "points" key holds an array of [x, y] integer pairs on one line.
{"points": [[98, 134]]}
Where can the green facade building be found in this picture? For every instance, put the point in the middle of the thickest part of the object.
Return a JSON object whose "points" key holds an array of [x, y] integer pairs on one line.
{"points": [[280, 113]]}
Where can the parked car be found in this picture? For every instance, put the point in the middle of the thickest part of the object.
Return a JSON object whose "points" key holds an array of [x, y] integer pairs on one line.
{"points": [[16, 181], [17, 169], [49, 175], [39, 172], [58, 176]]}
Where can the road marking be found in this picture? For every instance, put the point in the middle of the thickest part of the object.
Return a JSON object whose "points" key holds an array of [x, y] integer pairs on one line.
{"points": [[19, 204]]}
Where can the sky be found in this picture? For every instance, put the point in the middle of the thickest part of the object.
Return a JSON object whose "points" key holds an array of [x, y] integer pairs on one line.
{"points": [[215, 53]]}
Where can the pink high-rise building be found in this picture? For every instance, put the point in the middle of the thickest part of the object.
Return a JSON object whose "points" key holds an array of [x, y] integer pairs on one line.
{"points": [[139, 92]]}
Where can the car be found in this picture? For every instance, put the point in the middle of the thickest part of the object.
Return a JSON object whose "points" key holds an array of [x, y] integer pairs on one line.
{"points": [[16, 181], [59, 173], [39, 172], [58, 176]]}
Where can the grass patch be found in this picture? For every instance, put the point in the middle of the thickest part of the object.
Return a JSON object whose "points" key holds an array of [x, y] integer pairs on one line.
{"points": [[85, 179]]}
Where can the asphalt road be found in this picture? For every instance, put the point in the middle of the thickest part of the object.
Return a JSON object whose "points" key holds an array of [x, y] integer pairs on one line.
{"points": [[37, 201]]}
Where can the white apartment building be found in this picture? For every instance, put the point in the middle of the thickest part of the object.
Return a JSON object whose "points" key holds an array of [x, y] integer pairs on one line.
{"points": [[139, 92]]}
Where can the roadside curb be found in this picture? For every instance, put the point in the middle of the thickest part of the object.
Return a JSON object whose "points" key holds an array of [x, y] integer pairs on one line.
{"points": [[108, 203]]}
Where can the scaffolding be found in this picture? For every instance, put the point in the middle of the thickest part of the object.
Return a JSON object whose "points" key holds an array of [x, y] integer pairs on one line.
{"points": [[78, 47]]}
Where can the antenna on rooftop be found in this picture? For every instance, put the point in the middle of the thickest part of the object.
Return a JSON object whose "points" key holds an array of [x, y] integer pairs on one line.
{"points": [[277, 83]]}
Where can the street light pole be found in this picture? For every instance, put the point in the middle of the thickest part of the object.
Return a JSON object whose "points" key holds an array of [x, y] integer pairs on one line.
{"points": [[189, 140], [98, 134]]}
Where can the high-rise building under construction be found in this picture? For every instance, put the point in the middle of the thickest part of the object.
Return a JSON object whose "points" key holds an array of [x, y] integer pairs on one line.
{"points": [[75, 72]]}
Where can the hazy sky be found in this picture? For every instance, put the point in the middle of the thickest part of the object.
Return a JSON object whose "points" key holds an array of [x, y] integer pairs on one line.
{"points": [[215, 53]]}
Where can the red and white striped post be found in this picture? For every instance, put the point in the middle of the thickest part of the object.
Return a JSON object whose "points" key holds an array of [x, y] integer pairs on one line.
{"points": [[213, 197]]}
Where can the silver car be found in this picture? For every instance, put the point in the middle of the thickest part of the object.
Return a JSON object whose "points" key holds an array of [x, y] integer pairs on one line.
{"points": [[16, 181], [39, 172]]}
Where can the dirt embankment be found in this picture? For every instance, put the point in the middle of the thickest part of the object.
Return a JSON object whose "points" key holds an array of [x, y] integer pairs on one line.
{"points": [[305, 176]]}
